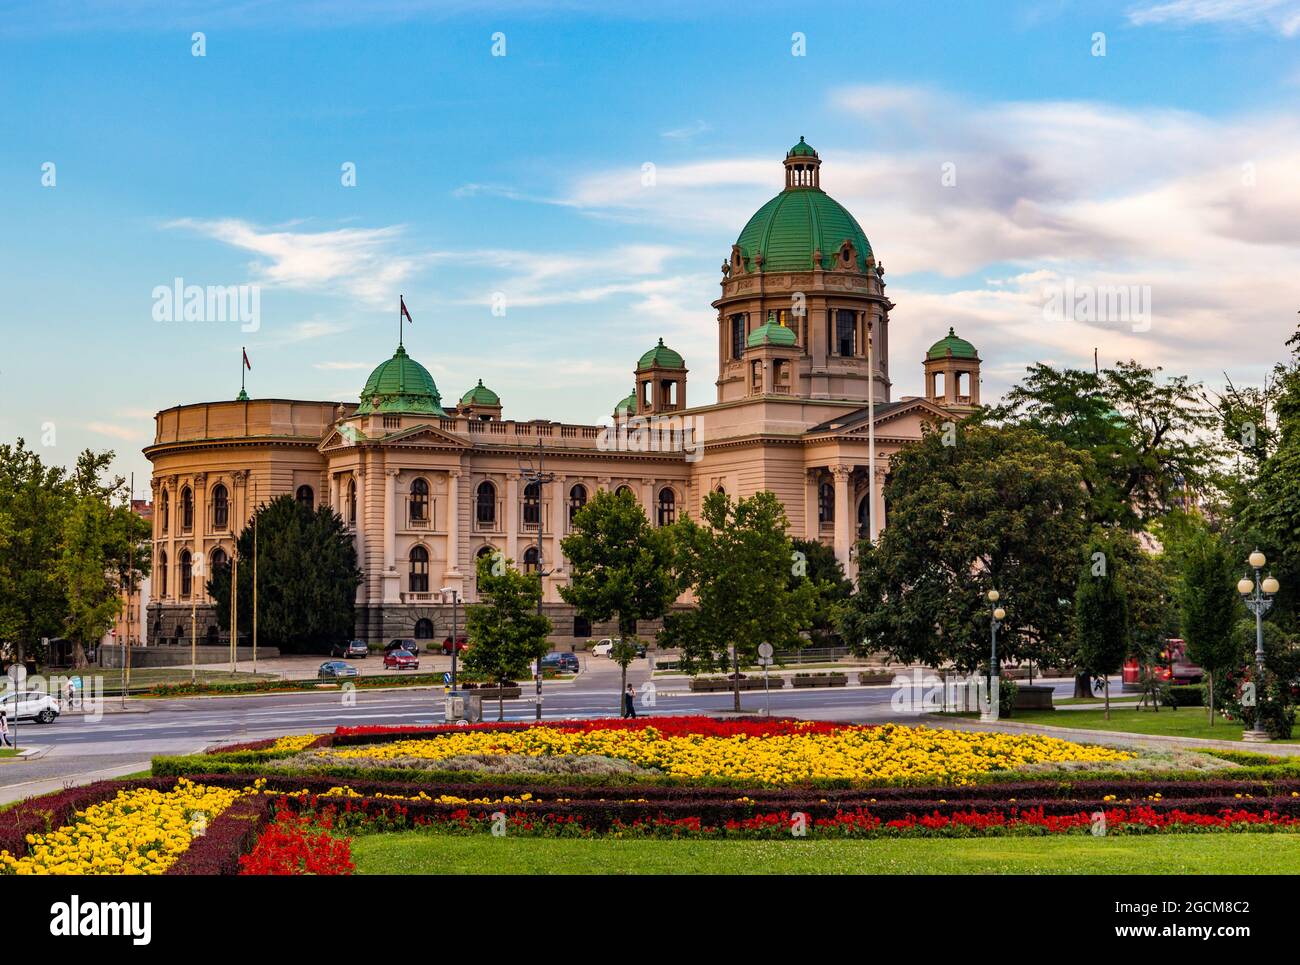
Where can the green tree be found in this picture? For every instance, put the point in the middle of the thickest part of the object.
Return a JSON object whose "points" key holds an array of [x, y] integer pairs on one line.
{"points": [[307, 578], [999, 508], [817, 563], [1208, 603], [737, 563], [506, 633], [1145, 435], [92, 596], [1101, 614], [620, 567]]}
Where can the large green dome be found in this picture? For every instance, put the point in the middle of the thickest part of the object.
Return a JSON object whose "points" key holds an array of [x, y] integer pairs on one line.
{"points": [[401, 385], [954, 345], [799, 221], [661, 356]]}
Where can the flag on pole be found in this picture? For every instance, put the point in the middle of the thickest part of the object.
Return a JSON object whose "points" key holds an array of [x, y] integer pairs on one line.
{"points": [[246, 362], [405, 314]]}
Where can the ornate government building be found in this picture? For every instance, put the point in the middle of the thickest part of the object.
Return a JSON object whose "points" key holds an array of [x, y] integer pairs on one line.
{"points": [[425, 487]]}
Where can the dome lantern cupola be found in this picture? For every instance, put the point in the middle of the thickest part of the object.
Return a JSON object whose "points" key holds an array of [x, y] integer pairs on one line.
{"points": [[952, 372], [802, 166], [660, 381], [480, 403], [401, 385]]}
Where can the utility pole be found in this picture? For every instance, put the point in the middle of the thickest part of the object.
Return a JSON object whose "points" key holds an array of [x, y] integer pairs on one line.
{"points": [[254, 576], [539, 477]]}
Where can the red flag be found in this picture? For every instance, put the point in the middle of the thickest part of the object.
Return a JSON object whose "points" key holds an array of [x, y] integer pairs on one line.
{"points": [[405, 314], [246, 364]]}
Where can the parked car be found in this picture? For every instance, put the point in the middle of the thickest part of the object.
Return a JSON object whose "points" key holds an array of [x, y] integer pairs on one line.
{"points": [[461, 644], [32, 705], [606, 648], [336, 669], [403, 643], [351, 650], [401, 660], [560, 662]]}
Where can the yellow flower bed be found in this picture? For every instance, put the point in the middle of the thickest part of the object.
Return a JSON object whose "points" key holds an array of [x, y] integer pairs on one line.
{"points": [[139, 831], [888, 752], [292, 742]]}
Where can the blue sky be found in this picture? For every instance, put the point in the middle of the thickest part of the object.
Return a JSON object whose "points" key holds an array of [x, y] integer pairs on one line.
{"points": [[1169, 164]]}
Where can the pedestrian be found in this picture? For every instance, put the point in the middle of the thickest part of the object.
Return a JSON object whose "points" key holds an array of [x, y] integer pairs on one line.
{"points": [[69, 692], [629, 702], [5, 740]]}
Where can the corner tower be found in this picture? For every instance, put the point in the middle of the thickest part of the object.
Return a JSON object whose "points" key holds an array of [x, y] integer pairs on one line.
{"points": [[803, 262]]}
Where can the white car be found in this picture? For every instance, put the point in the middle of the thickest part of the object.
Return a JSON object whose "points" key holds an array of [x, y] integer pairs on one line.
{"points": [[32, 705], [603, 649]]}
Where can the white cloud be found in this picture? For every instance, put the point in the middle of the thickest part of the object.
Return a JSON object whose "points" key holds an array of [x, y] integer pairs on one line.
{"points": [[1282, 16], [127, 433]]}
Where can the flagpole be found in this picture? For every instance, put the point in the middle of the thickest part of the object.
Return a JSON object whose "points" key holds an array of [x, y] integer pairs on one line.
{"points": [[400, 298], [243, 354]]}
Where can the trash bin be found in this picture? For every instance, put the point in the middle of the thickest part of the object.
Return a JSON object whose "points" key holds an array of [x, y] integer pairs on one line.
{"points": [[463, 708]]}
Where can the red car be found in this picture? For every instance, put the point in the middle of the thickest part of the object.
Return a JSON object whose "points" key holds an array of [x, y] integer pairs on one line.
{"points": [[401, 660], [1173, 668], [461, 644]]}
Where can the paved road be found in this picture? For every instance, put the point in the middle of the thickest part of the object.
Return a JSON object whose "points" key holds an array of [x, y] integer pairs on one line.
{"points": [[80, 749]]}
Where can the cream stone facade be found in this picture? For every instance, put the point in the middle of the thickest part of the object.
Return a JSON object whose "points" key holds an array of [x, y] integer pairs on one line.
{"points": [[803, 367]]}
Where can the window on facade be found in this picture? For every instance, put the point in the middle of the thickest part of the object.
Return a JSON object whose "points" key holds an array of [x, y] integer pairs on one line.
{"points": [[220, 507], [423, 629], [217, 558], [484, 551], [187, 509], [846, 328], [419, 576], [737, 336], [667, 506], [187, 574], [577, 499], [419, 500], [306, 497], [532, 504], [581, 626], [352, 502], [863, 518], [485, 508], [166, 510], [531, 557], [162, 572], [623, 489], [826, 503]]}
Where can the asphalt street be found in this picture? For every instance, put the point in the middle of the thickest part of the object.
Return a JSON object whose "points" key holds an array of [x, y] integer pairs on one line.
{"points": [[77, 748]]}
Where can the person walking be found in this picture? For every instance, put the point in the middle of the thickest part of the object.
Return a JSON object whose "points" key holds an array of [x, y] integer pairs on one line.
{"points": [[5, 739], [629, 702]]}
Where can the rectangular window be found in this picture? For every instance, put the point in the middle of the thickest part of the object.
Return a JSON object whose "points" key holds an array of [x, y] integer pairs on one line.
{"points": [[846, 331], [737, 336]]}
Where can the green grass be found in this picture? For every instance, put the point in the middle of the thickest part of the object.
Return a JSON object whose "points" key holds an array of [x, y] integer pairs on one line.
{"points": [[1184, 722], [8, 752], [424, 852]]}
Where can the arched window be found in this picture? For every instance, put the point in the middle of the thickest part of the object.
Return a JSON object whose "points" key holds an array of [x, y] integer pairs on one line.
{"points": [[581, 626], [352, 502], [187, 574], [419, 500], [423, 629], [667, 507], [530, 559], [180, 631], [826, 503], [419, 579], [624, 489], [217, 558], [187, 509], [577, 499], [484, 551], [485, 508], [162, 572], [166, 510], [306, 496], [220, 507], [532, 504]]}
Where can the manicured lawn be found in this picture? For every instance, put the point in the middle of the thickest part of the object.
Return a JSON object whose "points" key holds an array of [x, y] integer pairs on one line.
{"points": [[423, 852], [1184, 722], [8, 752]]}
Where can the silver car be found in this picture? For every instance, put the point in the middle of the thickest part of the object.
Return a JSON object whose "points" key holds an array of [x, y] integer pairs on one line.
{"points": [[32, 705]]}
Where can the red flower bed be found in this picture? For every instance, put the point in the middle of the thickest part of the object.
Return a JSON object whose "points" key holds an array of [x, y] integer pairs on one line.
{"points": [[298, 844]]}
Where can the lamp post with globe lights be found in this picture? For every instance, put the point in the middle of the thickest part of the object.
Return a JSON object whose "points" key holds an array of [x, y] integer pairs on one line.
{"points": [[1258, 595], [990, 710]]}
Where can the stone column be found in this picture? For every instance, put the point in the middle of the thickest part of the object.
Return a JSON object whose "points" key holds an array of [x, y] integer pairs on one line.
{"points": [[334, 494], [812, 526], [453, 522], [199, 547], [843, 515], [512, 519], [359, 535], [559, 520], [390, 517], [878, 496]]}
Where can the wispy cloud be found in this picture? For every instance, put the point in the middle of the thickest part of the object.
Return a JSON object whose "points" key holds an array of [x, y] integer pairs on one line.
{"points": [[687, 132], [1282, 16]]}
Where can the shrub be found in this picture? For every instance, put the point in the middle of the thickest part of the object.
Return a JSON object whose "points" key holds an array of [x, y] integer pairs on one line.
{"points": [[1184, 695]]}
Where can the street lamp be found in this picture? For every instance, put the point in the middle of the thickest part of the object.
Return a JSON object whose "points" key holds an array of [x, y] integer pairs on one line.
{"points": [[1258, 594], [989, 712], [455, 599]]}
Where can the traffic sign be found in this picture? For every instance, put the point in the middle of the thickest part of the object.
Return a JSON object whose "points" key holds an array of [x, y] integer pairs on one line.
{"points": [[765, 651]]}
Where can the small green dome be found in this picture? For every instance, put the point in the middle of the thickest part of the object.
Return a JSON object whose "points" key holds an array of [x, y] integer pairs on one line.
{"points": [[627, 406], [770, 332], [790, 229], [663, 357], [802, 149], [480, 395], [950, 344], [401, 385]]}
